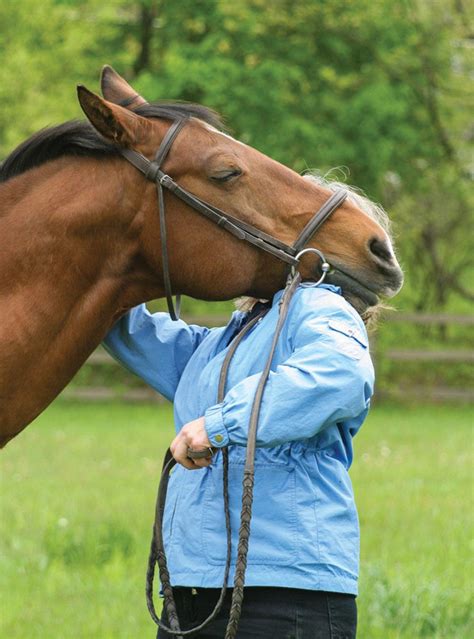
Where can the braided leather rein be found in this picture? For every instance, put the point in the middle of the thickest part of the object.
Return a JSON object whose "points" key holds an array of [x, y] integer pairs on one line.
{"points": [[157, 553], [291, 256]]}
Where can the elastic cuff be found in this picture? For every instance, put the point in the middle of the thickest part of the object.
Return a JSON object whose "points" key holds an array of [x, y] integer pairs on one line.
{"points": [[215, 428]]}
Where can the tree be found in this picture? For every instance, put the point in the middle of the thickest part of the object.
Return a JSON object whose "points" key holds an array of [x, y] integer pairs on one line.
{"points": [[377, 87]]}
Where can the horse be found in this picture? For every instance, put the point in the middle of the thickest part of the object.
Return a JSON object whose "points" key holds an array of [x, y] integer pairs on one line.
{"points": [[81, 234]]}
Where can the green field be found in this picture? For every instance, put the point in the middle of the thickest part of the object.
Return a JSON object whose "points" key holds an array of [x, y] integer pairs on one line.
{"points": [[78, 491]]}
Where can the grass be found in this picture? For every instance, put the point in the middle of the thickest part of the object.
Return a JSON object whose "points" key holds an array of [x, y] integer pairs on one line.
{"points": [[78, 490]]}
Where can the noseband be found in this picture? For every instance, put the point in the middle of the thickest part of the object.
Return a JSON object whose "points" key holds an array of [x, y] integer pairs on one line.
{"points": [[240, 229], [290, 255]]}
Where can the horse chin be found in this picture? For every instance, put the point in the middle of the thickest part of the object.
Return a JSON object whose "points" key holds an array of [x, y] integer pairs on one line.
{"points": [[355, 292]]}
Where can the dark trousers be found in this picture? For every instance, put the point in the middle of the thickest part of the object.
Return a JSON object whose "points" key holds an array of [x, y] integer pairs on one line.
{"points": [[270, 613]]}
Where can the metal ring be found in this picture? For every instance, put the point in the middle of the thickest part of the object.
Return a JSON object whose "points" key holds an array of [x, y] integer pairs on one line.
{"points": [[325, 266]]}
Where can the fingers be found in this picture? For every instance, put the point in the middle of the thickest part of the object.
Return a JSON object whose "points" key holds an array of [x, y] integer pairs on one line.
{"points": [[203, 462], [179, 450], [195, 434], [192, 436]]}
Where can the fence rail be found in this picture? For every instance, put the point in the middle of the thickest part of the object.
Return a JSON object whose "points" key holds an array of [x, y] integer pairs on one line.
{"points": [[431, 318], [407, 355], [445, 356], [448, 357]]}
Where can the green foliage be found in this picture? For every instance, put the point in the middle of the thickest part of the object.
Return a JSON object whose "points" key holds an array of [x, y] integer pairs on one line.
{"points": [[47, 48], [377, 87], [78, 490]]}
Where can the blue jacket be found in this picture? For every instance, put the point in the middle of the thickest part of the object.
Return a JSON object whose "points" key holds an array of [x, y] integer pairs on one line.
{"points": [[304, 531]]}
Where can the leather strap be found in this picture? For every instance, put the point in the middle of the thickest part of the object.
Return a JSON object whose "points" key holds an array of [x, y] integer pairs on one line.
{"points": [[168, 140], [174, 313], [249, 468], [160, 156], [157, 551], [240, 229], [334, 202], [256, 237]]}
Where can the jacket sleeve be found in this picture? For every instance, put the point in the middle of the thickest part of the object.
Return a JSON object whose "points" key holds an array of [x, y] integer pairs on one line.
{"points": [[327, 378], [154, 347]]}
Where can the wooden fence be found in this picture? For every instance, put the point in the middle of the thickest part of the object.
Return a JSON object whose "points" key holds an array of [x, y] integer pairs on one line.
{"points": [[448, 357]]}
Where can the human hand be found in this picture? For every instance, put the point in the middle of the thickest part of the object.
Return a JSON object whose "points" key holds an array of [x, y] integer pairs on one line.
{"points": [[193, 435]]}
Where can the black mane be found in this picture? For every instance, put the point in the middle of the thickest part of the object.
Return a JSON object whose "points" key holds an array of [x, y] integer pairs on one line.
{"points": [[79, 138]]}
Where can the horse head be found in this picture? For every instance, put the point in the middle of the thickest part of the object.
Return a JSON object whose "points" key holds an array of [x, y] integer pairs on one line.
{"points": [[82, 234], [250, 186]]}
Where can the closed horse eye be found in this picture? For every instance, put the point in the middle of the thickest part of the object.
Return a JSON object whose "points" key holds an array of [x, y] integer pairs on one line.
{"points": [[226, 175]]}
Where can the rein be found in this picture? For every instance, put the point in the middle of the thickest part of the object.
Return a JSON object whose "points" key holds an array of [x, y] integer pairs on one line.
{"points": [[240, 229], [290, 255]]}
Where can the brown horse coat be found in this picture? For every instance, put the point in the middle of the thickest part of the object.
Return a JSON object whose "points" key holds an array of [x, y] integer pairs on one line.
{"points": [[80, 236]]}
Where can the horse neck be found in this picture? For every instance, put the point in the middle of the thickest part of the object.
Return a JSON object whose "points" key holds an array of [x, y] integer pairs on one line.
{"points": [[70, 244]]}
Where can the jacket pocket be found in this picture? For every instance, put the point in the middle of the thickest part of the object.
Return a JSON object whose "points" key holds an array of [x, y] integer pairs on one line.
{"points": [[273, 527], [350, 339]]}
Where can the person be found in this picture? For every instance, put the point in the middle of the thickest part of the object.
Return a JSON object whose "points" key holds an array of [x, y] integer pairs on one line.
{"points": [[302, 572]]}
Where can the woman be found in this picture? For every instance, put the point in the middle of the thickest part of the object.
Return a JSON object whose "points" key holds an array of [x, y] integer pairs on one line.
{"points": [[301, 579]]}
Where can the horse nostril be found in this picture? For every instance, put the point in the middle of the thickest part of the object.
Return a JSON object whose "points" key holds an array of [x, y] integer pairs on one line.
{"points": [[381, 249]]}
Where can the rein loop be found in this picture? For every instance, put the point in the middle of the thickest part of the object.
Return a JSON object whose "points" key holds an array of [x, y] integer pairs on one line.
{"points": [[291, 255]]}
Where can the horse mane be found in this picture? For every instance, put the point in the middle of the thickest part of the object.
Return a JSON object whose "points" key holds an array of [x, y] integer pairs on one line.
{"points": [[79, 138]]}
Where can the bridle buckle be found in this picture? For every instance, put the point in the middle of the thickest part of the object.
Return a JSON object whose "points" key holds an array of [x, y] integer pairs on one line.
{"points": [[166, 180]]}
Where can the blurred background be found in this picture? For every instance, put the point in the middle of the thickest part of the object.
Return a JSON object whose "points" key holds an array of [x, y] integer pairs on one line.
{"points": [[376, 93]]}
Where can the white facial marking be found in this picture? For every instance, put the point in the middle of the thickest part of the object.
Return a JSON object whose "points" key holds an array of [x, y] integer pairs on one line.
{"points": [[209, 127]]}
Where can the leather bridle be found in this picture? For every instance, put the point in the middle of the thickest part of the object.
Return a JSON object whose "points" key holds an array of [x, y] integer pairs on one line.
{"points": [[291, 256], [242, 230]]}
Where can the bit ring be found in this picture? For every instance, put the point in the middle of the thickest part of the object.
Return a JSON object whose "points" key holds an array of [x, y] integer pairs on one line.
{"points": [[325, 266]]}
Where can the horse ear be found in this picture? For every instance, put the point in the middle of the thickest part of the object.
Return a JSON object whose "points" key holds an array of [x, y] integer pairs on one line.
{"points": [[117, 90], [114, 122]]}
